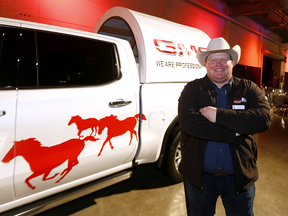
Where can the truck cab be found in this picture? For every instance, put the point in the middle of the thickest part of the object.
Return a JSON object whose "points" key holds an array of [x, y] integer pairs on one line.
{"points": [[79, 110]]}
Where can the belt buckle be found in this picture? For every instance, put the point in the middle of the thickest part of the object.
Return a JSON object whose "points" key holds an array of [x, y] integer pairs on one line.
{"points": [[220, 174]]}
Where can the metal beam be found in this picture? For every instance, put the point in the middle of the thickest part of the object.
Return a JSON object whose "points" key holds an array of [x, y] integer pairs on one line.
{"points": [[277, 27], [214, 11], [256, 8]]}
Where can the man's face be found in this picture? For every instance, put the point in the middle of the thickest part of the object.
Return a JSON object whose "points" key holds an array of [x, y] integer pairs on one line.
{"points": [[219, 68]]}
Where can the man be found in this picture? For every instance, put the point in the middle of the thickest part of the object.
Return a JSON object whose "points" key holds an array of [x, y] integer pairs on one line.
{"points": [[220, 116]]}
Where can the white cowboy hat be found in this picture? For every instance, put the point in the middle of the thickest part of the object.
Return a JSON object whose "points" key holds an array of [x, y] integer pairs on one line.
{"points": [[217, 45]]}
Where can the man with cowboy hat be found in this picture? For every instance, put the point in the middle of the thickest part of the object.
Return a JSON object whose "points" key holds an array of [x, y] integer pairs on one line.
{"points": [[220, 116]]}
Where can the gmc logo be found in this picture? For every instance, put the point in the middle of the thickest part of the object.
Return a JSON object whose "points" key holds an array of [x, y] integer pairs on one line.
{"points": [[171, 48]]}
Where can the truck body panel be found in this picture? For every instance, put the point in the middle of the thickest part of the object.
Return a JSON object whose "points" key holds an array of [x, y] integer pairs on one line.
{"points": [[78, 107], [166, 50], [160, 107]]}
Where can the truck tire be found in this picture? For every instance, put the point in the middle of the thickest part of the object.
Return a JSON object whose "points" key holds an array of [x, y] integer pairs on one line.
{"points": [[173, 156]]}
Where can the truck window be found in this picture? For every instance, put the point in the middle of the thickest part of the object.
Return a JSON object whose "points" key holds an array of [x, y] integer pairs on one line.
{"points": [[17, 58], [36, 59], [8, 56], [67, 60]]}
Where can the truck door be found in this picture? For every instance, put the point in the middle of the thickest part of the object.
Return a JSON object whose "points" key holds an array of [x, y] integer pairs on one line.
{"points": [[7, 124], [9, 39], [71, 127]]}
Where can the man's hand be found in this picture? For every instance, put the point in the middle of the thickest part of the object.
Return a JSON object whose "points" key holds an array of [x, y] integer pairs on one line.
{"points": [[210, 113]]}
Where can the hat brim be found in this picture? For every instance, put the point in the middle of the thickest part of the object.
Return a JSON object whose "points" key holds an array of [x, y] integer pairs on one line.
{"points": [[235, 52]]}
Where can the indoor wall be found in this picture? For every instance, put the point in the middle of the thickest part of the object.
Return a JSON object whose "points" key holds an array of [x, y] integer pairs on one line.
{"points": [[209, 16]]}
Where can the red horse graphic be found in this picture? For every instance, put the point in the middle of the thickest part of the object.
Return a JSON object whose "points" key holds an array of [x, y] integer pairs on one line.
{"points": [[84, 124], [116, 127], [42, 159]]}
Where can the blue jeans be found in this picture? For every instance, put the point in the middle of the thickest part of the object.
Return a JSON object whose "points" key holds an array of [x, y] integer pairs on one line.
{"points": [[200, 203]]}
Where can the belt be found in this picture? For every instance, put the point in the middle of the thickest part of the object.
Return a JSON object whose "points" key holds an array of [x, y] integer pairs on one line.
{"points": [[218, 174]]}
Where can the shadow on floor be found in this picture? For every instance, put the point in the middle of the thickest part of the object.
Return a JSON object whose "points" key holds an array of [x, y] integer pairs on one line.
{"points": [[145, 177]]}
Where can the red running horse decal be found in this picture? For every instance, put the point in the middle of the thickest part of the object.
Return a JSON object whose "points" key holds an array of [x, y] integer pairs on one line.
{"points": [[84, 124], [43, 159], [116, 127]]}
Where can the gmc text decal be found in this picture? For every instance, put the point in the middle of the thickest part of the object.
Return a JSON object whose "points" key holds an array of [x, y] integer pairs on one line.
{"points": [[179, 49]]}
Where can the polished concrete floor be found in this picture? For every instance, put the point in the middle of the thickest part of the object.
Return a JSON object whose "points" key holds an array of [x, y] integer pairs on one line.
{"points": [[150, 193]]}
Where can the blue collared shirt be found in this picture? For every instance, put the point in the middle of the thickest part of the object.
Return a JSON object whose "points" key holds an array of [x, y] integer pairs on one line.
{"points": [[217, 158]]}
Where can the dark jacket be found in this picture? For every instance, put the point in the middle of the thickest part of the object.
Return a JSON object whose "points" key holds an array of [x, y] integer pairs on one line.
{"points": [[197, 130]]}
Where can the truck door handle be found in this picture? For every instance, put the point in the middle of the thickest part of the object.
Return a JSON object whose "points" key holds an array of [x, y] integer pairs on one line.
{"points": [[2, 113], [119, 103]]}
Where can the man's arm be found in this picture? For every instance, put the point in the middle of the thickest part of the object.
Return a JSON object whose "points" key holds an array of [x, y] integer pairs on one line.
{"points": [[195, 124], [210, 113], [255, 119]]}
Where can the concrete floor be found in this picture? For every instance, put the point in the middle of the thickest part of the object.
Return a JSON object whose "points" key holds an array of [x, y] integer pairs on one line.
{"points": [[150, 193]]}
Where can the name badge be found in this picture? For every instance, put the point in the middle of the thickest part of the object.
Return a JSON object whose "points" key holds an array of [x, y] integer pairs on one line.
{"points": [[237, 107]]}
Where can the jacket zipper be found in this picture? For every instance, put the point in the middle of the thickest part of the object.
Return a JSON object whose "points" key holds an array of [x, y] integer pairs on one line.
{"points": [[214, 103]]}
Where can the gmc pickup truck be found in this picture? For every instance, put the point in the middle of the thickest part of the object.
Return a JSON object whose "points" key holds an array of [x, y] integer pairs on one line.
{"points": [[79, 110]]}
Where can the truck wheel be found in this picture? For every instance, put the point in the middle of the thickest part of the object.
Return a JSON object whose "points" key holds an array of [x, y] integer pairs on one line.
{"points": [[174, 155]]}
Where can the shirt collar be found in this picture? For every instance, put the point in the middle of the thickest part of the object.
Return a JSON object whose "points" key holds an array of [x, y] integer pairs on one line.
{"points": [[227, 85]]}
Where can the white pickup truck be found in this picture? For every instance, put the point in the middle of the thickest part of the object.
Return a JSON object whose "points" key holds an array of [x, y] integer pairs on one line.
{"points": [[79, 110]]}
